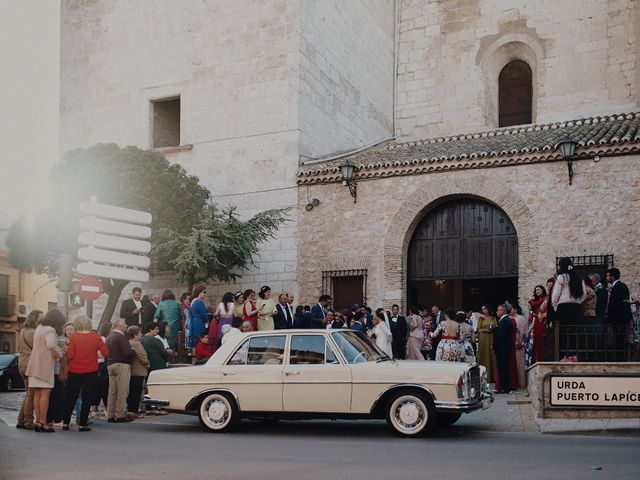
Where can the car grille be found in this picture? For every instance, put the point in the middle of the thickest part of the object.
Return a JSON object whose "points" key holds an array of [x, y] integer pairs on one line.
{"points": [[474, 383]]}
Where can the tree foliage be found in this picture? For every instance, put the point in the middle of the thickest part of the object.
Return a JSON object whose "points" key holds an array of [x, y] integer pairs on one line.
{"points": [[127, 177], [220, 245]]}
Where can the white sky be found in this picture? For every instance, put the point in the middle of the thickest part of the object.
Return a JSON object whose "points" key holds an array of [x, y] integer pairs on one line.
{"points": [[29, 113]]}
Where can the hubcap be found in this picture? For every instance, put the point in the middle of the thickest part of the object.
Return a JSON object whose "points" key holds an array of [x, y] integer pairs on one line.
{"points": [[408, 414], [215, 412]]}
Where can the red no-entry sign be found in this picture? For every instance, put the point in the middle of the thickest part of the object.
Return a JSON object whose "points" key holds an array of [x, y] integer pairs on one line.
{"points": [[90, 288]]}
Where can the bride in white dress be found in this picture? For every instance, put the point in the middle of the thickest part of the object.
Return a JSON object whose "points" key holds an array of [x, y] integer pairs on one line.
{"points": [[382, 332]]}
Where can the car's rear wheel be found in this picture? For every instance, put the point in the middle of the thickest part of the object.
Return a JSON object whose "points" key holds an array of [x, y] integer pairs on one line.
{"points": [[218, 412], [411, 414], [448, 419]]}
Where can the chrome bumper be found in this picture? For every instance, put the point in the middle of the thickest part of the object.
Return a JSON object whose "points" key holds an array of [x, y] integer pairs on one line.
{"points": [[465, 406], [152, 402]]}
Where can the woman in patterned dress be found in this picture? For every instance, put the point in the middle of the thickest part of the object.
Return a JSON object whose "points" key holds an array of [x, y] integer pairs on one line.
{"points": [[467, 336], [450, 345], [427, 342]]}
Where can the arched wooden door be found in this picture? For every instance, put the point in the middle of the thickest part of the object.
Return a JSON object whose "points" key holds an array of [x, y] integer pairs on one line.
{"points": [[464, 252]]}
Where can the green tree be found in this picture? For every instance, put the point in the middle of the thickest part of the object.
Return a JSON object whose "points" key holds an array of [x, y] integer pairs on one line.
{"points": [[127, 177], [219, 245]]}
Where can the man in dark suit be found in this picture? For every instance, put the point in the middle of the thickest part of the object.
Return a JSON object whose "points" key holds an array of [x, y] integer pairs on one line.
{"points": [[318, 311], [283, 319], [131, 308], [618, 312], [502, 345], [437, 315], [149, 310], [399, 333]]}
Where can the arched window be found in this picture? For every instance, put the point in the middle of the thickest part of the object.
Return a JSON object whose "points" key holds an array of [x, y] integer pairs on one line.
{"points": [[515, 94]]}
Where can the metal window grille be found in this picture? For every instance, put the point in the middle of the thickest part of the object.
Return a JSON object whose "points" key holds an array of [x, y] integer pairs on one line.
{"points": [[329, 275], [594, 261]]}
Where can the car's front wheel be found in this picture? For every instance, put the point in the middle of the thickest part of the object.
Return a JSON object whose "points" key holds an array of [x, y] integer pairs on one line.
{"points": [[218, 412], [411, 414]]}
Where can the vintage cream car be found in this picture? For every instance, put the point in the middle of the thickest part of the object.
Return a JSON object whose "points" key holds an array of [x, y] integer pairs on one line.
{"points": [[318, 374]]}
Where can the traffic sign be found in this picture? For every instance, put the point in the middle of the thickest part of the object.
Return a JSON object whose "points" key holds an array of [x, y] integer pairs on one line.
{"points": [[90, 288], [115, 228], [75, 300]]}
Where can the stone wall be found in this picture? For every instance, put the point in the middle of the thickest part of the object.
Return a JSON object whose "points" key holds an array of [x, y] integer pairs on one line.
{"points": [[234, 66], [551, 219], [346, 75], [584, 57]]}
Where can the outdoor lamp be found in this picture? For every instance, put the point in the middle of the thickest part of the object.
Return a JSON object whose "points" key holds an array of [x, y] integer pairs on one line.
{"points": [[568, 148], [347, 168]]}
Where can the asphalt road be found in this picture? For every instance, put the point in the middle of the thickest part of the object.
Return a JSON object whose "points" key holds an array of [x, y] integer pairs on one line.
{"points": [[175, 447]]}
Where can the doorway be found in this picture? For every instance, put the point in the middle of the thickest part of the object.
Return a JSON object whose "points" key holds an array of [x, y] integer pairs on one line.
{"points": [[463, 253]]}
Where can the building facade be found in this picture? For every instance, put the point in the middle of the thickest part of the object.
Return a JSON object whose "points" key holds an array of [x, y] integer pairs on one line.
{"points": [[451, 112]]}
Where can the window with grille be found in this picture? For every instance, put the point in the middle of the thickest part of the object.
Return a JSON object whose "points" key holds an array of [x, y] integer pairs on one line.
{"points": [[346, 287]]}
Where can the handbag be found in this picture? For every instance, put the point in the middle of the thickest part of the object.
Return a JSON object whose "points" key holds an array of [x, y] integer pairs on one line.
{"points": [[64, 369]]}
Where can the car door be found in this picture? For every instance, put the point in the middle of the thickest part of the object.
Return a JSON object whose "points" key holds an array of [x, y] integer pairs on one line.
{"points": [[315, 378], [254, 373]]}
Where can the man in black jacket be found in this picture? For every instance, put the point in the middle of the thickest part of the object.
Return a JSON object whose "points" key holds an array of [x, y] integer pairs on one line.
{"points": [[149, 310], [618, 312], [131, 309], [283, 319], [502, 345], [318, 311], [399, 333]]}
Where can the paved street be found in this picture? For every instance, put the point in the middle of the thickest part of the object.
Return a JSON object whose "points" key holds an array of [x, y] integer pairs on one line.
{"points": [[174, 446]]}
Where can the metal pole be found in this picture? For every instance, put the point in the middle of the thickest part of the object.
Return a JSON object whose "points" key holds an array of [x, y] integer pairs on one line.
{"points": [[90, 309]]}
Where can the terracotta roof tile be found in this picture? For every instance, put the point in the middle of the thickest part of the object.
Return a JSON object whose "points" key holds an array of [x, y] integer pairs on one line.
{"points": [[503, 142]]}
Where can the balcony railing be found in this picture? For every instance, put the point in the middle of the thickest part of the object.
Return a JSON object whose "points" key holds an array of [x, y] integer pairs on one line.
{"points": [[7, 305], [592, 343]]}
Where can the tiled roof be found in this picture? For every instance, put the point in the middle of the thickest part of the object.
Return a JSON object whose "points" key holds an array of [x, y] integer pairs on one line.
{"points": [[603, 135]]}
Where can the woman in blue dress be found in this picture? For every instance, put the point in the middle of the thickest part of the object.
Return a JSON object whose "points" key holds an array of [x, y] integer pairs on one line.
{"points": [[197, 315]]}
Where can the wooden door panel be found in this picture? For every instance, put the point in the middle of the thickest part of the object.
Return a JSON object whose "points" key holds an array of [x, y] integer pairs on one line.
{"points": [[464, 239], [505, 254], [446, 258], [478, 220], [478, 257]]}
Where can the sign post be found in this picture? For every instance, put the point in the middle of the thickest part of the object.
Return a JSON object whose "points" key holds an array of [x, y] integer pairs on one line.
{"points": [[90, 290]]}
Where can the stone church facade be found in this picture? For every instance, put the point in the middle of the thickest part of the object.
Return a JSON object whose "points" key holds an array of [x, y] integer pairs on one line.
{"points": [[265, 100]]}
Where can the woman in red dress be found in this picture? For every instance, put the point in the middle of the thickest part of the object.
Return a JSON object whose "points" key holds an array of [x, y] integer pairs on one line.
{"points": [[539, 326], [249, 311]]}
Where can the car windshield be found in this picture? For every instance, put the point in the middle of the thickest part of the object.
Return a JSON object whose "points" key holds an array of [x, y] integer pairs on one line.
{"points": [[357, 348], [5, 360]]}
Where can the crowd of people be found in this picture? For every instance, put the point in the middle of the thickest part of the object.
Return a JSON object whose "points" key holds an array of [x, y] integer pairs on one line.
{"points": [[69, 367]]}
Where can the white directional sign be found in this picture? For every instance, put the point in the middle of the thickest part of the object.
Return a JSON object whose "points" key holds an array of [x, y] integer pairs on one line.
{"points": [[112, 242], [116, 213]]}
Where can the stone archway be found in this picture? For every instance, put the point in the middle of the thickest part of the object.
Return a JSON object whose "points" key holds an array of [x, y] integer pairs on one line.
{"points": [[442, 188]]}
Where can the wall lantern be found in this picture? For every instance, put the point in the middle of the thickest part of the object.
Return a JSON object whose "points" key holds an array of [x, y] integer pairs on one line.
{"points": [[312, 204], [568, 148], [347, 168]]}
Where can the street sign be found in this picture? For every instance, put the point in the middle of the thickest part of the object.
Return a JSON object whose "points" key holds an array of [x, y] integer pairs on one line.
{"points": [[114, 243], [113, 239], [107, 256], [108, 271], [115, 228], [116, 213], [90, 288], [75, 300]]}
